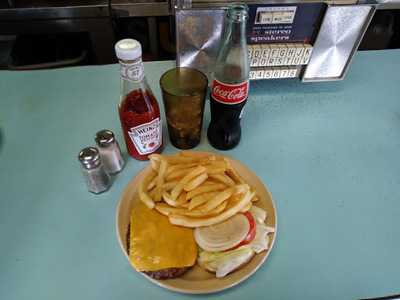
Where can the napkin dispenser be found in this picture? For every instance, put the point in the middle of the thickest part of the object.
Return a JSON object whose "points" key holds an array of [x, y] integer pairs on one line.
{"points": [[313, 41]]}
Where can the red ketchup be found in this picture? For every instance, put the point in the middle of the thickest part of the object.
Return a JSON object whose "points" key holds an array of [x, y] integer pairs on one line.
{"points": [[138, 110]]}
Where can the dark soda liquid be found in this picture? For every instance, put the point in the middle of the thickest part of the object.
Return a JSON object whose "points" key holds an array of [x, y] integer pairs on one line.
{"points": [[138, 107], [224, 131]]}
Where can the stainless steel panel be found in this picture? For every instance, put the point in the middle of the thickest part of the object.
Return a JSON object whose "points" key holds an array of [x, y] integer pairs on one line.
{"points": [[181, 4], [339, 36], [198, 35], [31, 9], [224, 3], [388, 4], [140, 8]]}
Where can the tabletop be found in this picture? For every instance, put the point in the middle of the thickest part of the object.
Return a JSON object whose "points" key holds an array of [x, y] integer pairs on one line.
{"points": [[329, 153]]}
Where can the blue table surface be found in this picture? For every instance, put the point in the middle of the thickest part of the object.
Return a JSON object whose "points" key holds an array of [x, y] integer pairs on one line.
{"points": [[329, 153]]}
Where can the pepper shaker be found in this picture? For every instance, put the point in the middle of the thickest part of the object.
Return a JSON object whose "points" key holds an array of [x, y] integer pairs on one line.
{"points": [[109, 150], [97, 179]]}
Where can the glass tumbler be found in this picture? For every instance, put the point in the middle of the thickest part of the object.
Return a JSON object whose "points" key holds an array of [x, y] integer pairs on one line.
{"points": [[183, 91]]}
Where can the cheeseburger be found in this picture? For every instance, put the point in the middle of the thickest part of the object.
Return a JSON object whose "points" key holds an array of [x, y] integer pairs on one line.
{"points": [[158, 248]]}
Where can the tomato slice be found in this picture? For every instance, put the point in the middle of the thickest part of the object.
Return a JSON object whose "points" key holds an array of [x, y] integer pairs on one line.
{"points": [[252, 231]]}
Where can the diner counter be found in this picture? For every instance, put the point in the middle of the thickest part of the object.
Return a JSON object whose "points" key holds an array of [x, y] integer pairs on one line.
{"points": [[329, 153]]}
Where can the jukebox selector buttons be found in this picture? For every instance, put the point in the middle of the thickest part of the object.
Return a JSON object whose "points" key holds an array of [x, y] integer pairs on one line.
{"points": [[289, 54], [274, 72]]}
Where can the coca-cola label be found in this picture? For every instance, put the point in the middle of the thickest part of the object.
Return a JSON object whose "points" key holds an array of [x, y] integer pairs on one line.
{"points": [[147, 137], [229, 93]]}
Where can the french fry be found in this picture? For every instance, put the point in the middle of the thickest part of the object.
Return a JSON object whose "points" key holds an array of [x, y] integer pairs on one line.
{"points": [[177, 190], [160, 180], [205, 188], [216, 164], [168, 210], [167, 198], [179, 173], [155, 160], [167, 186], [152, 194], [240, 188], [215, 170], [195, 189], [165, 209], [155, 164], [200, 199], [235, 198], [217, 199], [181, 201], [220, 208], [246, 208], [216, 167], [208, 221], [209, 182], [185, 205], [232, 172], [235, 176], [143, 196], [199, 155], [194, 183], [223, 178], [152, 183], [191, 175], [199, 213], [255, 197], [155, 157], [225, 194], [172, 168], [175, 160]]}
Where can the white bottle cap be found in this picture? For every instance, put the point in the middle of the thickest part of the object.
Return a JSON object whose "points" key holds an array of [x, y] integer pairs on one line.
{"points": [[128, 49]]}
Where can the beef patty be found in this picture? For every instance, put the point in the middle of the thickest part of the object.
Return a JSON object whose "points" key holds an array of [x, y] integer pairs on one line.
{"points": [[168, 273]]}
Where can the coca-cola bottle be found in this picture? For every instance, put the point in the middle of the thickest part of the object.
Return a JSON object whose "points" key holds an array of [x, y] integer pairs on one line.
{"points": [[230, 86]]}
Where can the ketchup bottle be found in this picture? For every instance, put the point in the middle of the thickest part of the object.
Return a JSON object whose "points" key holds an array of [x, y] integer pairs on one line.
{"points": [[138, 108]]}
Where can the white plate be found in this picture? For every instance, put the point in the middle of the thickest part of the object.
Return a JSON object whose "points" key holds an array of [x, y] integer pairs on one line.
{"points": [[197, 280]]}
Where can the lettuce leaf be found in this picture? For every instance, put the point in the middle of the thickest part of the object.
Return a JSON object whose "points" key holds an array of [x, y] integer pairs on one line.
{"points": [[222, 263]]}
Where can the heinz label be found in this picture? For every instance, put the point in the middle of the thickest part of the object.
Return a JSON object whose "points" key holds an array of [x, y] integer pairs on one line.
{"points": [[147, 137], [229, 93], [132, 71]]}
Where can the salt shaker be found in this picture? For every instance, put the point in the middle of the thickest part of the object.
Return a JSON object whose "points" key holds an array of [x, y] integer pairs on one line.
{"points": [[97, 179], [109, 150]]}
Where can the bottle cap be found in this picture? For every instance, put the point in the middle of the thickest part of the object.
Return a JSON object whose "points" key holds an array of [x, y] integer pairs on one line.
{"points": [[128, 49], [104, 138], [89, 157]]}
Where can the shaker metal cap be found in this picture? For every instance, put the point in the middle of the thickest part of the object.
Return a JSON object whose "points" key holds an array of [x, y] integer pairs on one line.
{"points": [[128, 49], [89, 157], [104, 138]]}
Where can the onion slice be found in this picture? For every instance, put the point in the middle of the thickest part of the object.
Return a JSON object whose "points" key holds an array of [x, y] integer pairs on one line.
{"points": [[258, 213], [223, 236]]}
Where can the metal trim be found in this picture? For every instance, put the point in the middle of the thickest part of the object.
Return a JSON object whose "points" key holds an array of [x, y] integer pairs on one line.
{"points": [[354, 48]]}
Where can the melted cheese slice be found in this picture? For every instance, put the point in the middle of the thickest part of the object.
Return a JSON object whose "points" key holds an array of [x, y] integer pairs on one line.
{"points": [[156, 244]]}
